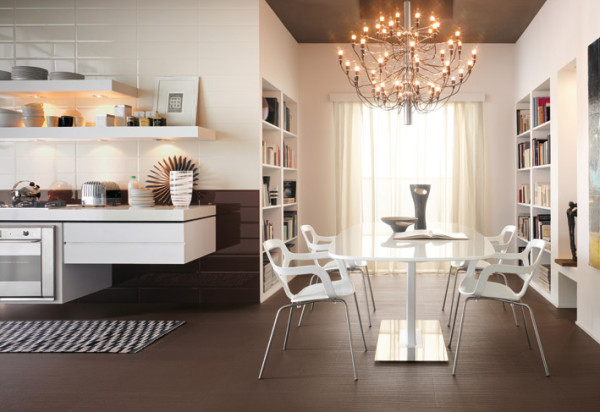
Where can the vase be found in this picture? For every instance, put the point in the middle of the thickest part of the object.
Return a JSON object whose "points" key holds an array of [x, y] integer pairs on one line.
{"points": [[181, 185], [420, 193]]}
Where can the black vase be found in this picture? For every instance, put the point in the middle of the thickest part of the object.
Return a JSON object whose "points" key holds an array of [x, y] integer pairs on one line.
{"points": [[420, 193]]}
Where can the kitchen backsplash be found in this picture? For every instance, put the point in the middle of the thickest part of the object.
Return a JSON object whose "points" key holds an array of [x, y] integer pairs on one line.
{"points": [[135, 41]]}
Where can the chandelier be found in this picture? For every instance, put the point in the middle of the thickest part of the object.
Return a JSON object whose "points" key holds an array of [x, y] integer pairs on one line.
{"points": [[399, 65]]}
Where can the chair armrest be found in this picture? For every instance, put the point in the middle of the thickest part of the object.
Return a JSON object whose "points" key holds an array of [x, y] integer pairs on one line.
{"points": [[310, 270], [500, 268], [309, 256], [320, 247]]}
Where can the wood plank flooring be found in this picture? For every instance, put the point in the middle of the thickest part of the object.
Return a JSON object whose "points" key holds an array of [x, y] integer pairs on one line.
{"points": [[212, 362]]}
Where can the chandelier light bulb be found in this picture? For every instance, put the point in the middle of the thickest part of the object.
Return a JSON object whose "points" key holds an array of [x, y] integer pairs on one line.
{"points": [[405, 55]]}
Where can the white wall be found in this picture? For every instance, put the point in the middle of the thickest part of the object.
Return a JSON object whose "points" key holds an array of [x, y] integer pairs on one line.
{"points": [[320, 75], [134, 41], [560, 33]]}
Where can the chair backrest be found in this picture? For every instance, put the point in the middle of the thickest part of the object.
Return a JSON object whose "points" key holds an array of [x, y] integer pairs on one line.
{"points": [[273, 246], [309, 234], [532, 257], [506, 237]]}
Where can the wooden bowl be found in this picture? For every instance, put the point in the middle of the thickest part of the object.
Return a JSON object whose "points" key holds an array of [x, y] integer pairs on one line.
{"points": [[399, 224]]}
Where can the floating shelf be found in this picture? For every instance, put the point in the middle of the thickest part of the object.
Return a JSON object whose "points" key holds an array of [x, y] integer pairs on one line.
{"points": [[67, 88], [543, 126], [269, 126], [524, 134], [18, 134], [268, 166], [288, 134]]}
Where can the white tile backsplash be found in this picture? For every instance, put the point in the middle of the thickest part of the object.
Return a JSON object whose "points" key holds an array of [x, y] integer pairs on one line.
{"points": [[135, 41]]}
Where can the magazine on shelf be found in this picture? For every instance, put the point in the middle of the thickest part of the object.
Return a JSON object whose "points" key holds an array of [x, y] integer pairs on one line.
{"points": [[429, 234]]}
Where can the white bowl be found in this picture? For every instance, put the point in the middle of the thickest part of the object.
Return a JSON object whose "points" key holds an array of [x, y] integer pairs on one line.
{"points": [[10, 119], [33, 121]]}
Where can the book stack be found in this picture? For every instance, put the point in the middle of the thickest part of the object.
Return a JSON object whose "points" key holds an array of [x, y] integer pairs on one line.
{"points": [[523, 194], [287, 118], [543, 277], [289, 157], [267, 230], [289, 191], [524, 155], [271, 154], [269, 276], [265, 191], [523, 120], [541, 110], [541, 227], [290, 224], [541, 194], [273, 116], [524, 227], [541, 151]]}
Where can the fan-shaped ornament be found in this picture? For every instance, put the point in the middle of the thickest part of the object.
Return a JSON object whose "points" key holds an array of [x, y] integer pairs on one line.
{"points": [[158, 179]]}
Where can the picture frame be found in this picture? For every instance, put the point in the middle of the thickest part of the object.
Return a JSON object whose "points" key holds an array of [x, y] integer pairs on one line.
{"points": [[176, 98]]}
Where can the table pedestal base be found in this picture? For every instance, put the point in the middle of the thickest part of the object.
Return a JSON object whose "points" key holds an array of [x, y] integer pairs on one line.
{"points": [[392, 342]]}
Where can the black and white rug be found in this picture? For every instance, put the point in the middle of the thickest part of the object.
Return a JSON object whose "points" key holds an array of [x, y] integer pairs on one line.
{"points": [[82, 336]]}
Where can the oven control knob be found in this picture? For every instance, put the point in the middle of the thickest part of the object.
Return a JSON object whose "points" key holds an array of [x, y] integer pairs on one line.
{"points": [[26, 233]]}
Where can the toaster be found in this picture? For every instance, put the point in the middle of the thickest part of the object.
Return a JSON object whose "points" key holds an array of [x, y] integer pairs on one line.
{"points": [[93, 194]]}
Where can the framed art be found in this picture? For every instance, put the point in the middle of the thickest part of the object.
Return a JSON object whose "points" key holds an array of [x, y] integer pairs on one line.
{"points": [[176, 98]]}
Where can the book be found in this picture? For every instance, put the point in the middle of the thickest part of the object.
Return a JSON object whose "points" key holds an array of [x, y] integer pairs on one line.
{"points": [[289, 191], [273, 116], [429, 234]]}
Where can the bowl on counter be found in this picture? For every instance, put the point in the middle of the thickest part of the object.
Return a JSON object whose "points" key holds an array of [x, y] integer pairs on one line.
{"points": [[399, 224], [10, 118]]}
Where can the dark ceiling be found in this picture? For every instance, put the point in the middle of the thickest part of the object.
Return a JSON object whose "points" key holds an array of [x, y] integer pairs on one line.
{"points": [[332, 21]]}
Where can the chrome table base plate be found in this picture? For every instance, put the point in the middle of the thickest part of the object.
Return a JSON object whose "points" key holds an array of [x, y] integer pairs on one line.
{"points": [[392, 347]]}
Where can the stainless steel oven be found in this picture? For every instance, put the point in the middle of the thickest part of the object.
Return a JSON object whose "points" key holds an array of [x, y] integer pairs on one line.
{"points": [[27, 262]]}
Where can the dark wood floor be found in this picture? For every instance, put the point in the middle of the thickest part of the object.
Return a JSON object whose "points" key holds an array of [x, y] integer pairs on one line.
{"points": [[212, 362]]}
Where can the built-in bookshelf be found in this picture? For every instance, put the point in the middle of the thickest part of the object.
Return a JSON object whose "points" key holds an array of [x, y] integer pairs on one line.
{"points": [[545, 134], [278, 197]]}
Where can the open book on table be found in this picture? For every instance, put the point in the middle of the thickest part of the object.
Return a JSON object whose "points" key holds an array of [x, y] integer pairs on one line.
{"points": [[429, 234]]}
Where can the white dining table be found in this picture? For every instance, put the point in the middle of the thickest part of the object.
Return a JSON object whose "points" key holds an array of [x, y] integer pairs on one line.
{"points": [[410, 339]]}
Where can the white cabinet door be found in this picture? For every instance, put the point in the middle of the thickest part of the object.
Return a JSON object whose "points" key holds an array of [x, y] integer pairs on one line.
{"points": [[140, 243]]}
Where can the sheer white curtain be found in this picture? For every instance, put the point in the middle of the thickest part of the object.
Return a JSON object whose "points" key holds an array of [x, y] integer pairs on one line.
{"points": [[379, 157]]}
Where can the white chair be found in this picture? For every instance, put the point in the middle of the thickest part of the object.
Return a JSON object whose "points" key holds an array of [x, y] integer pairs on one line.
{"points": [[501, 244], [481, 288], [325, 291], [317, 243]]}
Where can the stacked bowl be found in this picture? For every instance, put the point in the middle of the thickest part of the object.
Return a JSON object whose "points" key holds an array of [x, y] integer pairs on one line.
{"points": [[33, 115], [141, 198], [10, 118], [4, 75], [29, 73], [66, 76]]}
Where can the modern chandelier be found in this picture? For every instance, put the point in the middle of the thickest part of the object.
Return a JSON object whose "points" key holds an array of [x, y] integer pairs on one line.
{"points": [[399, 65]]}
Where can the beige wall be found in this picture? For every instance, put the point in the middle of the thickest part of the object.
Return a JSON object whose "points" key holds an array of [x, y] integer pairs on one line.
{"points": [[320, 75]]}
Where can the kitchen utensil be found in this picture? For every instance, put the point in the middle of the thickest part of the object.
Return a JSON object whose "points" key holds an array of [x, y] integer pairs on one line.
{"points": [[65, 121], [10, 118], [399, 224], [93, 194], [25, 191], [66, 76], [52, 121], [29, 73], [105, 120], [113, 193], [4, 75]]}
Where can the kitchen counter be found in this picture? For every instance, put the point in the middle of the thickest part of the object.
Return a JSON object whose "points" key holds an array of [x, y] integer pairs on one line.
{"points": [[107, 214]]}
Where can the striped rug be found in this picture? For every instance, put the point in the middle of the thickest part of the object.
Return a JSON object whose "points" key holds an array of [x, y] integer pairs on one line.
{"points": [[82, 336]]}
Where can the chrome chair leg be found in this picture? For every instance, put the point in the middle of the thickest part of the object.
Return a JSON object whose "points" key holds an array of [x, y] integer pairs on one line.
{"points": [[362, 332], [447, 284], [350, 335], [362, 273], [453, 294], [512, 306], [287, 331], [454, 324], [302, 315], [370, 288], [537, 335], [262, 368], [462, 320], [525, 326]]}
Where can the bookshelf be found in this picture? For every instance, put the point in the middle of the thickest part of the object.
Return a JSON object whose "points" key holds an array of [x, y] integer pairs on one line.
{"points": [[545, 144], [279, 159]]}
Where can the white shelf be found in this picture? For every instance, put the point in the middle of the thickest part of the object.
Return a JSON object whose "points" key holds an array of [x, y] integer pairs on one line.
{"points": [[67, 88], [289, 134], [266, 126], [290, 204], [542, 207], [268, 166], [271, 207], [524, 169], [542, 127], [291, 239], [522, 239], [568, 271], [17, 134], [542, 166], [524, 134], [523, 204], [290, 169]]}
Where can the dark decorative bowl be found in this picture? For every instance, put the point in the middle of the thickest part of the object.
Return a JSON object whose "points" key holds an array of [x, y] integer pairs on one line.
{"points": [[399, 224]]}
